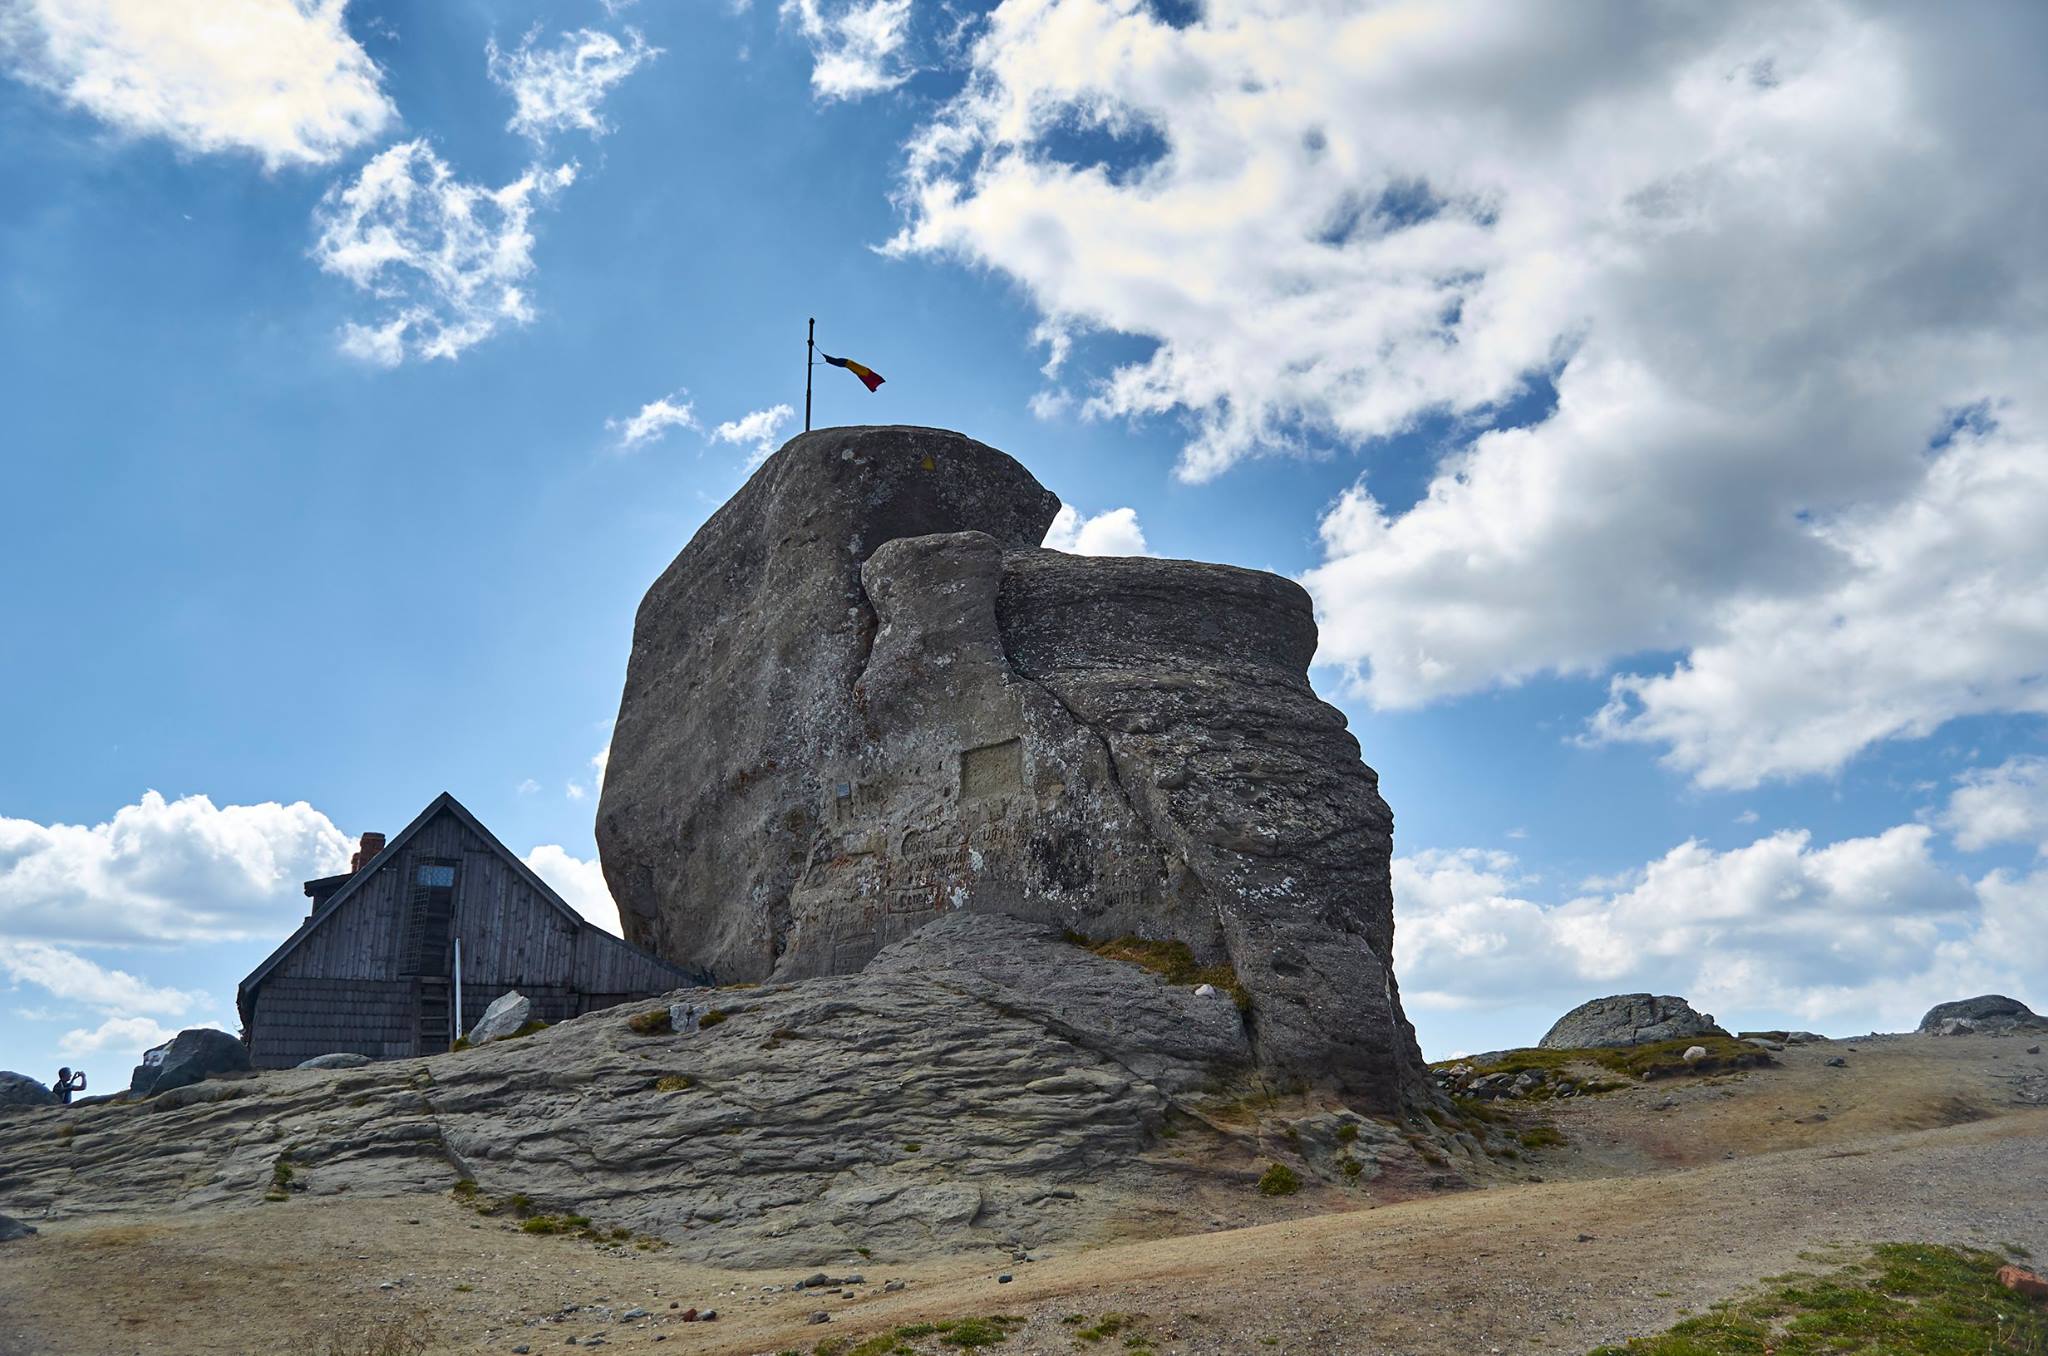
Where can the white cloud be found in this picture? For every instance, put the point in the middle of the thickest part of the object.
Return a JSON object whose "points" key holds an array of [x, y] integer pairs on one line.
{"points": [[1112, 533], [1866, 933], [580, 883], [447, 259], [558, 90], [165, 871], [71, 976], [654, 421], [2004, 804], [278, 79], [1763, 254], [857, 47], [759, 432], [528, 786]]}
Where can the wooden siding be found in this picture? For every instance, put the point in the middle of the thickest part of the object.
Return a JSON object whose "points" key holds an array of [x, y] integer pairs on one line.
{"points": [[345, 986]]}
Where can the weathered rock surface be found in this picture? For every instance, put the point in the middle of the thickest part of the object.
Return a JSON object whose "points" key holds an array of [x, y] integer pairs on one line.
{"points": [[985, 1081], [1628, 1019], [1987, 1012], [11, 1229], [506, 1014], [186, 1058], [861, 699], [20, 1090], [339, 1060]]}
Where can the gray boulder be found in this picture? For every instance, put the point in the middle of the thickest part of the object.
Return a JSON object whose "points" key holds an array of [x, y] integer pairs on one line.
{"points": [[11, 1229], [1988, 1012], [506, 1014], [19, 1090], [185, 1059], [1628, 1019], [338, 1060], [862, 699]]}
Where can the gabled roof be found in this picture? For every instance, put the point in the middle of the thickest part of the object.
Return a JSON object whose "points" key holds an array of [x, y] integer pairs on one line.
{"points": [[245, 993]]}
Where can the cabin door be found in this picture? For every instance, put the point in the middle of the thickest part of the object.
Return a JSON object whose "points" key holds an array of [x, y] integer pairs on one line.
{"points": [[430, 917]]}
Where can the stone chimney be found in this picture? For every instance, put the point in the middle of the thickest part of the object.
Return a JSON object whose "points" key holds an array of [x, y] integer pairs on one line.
{"points": [[373, 843]]}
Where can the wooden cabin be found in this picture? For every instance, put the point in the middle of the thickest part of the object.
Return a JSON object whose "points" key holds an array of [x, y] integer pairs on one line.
{"points": [[373, 968]]}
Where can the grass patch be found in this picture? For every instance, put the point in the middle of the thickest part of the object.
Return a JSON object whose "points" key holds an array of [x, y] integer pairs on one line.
{"points": [[407, 1336], [459, 1044], [674, 1083], [464, 1190], [281, 1174], [711, 1019], [1662, 1060], [1541, 1137], [1109, 1325], [1907, 1299], [1173, 960], [1279, 1180], [555, 1224], [653, 1022]]}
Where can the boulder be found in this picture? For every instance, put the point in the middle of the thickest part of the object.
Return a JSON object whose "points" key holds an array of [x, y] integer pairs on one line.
{"points": [[1628, 1019], [506, 1014], [2024, 1281], [338, 1060], [862, 699], [186, 1058], [19, 1090], [11, 1229], [1988, 1012]]}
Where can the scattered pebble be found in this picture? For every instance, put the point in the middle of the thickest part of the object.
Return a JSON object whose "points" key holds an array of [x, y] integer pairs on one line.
{"points": [[819, 1317], [1838, 1062], [891, 1287], [635, 1312], [1003, 1279]]}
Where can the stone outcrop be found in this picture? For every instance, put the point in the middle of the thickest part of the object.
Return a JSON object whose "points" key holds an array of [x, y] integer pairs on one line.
{"points": [[185, 1059], [341, 1059], [984, 1082], [1987, 1012], [12, 1229], [507, 1013], [862, 698], [1628, 1019], [20, 1090]]}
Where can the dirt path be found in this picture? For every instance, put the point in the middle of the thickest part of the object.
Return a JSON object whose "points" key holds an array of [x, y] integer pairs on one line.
{"points": [[1915, 1139]]}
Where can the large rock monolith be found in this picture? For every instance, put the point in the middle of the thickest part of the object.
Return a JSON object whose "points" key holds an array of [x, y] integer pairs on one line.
{"points": [[19, 1090], [862, 698], [191, 1055], [1986, 1012]]}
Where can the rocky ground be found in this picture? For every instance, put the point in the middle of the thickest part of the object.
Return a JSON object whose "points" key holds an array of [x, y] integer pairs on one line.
{"points": [[1660, 1198]]}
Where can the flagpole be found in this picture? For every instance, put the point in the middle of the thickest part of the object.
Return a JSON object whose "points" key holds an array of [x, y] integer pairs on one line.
{"points": [[810, 345]]}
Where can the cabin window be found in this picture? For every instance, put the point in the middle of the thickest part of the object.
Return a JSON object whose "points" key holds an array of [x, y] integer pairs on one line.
{"points": [[437, 877], [430, 912]]}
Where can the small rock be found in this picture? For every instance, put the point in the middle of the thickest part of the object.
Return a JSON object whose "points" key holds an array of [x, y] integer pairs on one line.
{"points": [[387, 1285], [1205, 991], [1585, 1238], [891, 1287], [1004, 1279], [816, 1279], [521, 1349], [11, 1229], [2023, 1281], [675, 1304], [335, 1061], [1838, 1063], [1694, 1054], [507, 1013], [855, 1279], [708, 1316], [2033, 1049], [819, 1316], [631, 1314]]}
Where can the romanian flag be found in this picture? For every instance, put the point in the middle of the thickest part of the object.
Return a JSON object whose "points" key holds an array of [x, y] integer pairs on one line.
{"points": [[868, 376]]}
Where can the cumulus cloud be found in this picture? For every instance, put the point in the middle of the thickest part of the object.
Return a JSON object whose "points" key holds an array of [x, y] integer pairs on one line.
{"points": [[1862, 933], [1112, 533], [1721, 318], [857, 47], [580, 883], [654, 421], [759, 432], [558, 89], [2004, 804], [68, 975], [279, 79], [447, 259], [124, 1037], [164, 871]]}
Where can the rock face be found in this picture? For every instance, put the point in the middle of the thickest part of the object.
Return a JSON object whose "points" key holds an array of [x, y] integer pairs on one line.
{"points": [[21, 1090], [862, 699], [1988, 1012], [12, 1229], [1628, 1019], [506, 1014], [185, 1059], [983, 1082]]}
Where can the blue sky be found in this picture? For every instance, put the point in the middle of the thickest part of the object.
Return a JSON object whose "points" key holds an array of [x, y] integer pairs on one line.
{"points": [[1654, 405]]}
